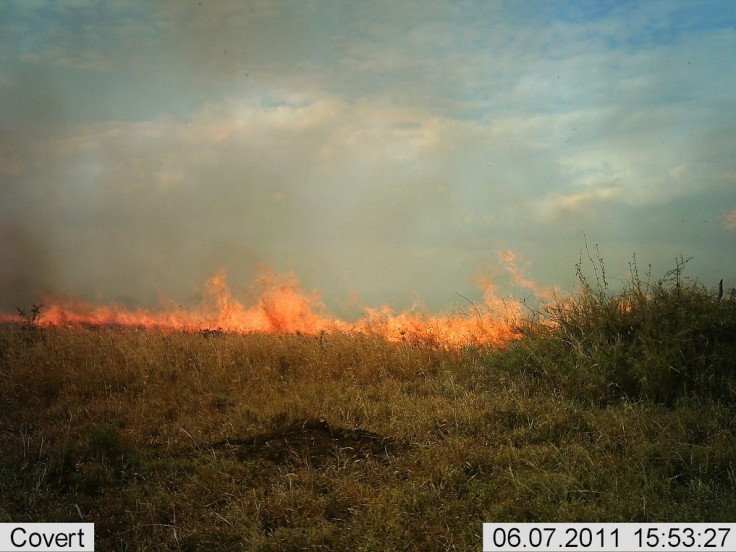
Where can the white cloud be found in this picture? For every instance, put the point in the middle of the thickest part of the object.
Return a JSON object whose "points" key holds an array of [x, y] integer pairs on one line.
{"points": [[567, 204]]}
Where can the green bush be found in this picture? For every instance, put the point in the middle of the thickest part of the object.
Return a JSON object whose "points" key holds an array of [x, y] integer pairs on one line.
{"points": [[656, 341]]}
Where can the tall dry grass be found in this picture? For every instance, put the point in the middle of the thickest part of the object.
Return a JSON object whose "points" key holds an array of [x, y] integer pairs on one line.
{"points": [[612, 407]]}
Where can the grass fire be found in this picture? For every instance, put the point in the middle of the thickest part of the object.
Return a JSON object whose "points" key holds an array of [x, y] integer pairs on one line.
{"points": [[284, 275], [280, 306], [273, 427]]}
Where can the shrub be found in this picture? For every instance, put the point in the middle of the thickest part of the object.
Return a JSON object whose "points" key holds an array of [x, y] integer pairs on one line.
{"points": [[657, 341]]}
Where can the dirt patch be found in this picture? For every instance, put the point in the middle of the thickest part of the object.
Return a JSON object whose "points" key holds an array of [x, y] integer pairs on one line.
{"points": [[313, 440]]}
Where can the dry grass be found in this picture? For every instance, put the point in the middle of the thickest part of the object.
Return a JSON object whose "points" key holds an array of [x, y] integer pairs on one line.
{"points": [[173, 441]]}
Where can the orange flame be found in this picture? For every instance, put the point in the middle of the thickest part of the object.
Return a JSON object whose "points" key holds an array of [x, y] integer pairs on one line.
{"points": [[282, 306]]}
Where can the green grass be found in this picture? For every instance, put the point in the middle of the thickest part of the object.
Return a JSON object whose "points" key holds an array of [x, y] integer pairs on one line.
{"points": [[660, 342], [610, 407]]}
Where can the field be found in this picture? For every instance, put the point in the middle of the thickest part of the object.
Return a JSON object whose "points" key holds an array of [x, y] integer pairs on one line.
{"points": [[608, 407]]}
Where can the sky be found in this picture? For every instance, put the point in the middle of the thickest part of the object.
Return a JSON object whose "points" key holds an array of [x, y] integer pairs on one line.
{"points": [[386, 152]]}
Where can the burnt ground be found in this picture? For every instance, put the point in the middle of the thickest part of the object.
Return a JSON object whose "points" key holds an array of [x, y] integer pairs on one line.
{"points": [[311, 440]]}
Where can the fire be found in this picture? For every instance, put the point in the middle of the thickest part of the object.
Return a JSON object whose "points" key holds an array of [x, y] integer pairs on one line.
{"points": [[282, 306]]}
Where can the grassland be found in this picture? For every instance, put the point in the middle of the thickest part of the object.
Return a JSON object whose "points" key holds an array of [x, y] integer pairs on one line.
{"points": [[610, 407]]}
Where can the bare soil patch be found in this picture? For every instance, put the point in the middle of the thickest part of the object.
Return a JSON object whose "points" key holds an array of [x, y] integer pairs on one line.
{"points": [[313, 440]]}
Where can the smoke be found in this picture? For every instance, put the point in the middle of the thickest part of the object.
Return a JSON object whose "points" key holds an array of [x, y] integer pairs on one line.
{"points": [[26, 266], [729, 219], [385, 152]]}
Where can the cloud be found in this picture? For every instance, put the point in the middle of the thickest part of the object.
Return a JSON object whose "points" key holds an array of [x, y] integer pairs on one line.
{"points": [[577, 203]]}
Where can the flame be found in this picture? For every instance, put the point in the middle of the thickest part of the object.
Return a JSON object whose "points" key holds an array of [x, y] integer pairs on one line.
{"points": [[282, 306]]}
